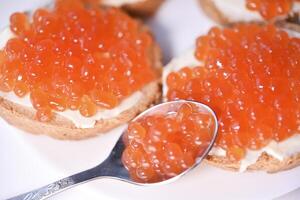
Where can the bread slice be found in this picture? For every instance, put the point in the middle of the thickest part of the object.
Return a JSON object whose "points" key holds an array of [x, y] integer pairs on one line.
{"points": [[62, 128], [265, 161], [219, 14], [142, 8]]}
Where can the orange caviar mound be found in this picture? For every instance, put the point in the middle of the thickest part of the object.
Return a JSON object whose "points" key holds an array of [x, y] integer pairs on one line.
{"points": [[75, 57], [161, 146], [251, 79], [269, 9]]}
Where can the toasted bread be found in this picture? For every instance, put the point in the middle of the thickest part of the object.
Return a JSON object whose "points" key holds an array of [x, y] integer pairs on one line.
{"points": [[143, 8], [62, 128], [265, 161], [219, 14]]}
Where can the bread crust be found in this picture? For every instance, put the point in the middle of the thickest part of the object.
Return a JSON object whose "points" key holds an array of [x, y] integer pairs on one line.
{"points": [[62, 128], [210, 9], [293, 25], [143, 9], [265, 162]]}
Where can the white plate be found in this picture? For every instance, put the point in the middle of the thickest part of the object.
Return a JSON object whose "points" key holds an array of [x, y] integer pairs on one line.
{"points": [[28, 161]]}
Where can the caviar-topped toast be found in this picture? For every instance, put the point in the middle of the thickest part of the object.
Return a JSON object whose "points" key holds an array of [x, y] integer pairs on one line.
{"points": [[233, 11], [140, 8], [249, 75], [76, 71]]}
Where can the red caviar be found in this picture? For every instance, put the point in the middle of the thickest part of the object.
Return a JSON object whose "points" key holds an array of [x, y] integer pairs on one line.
{"points": [[75, 57], [251, 79], [270, 8], [162, 146]]}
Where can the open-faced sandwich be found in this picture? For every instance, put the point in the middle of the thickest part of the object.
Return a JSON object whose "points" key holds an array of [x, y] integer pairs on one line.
{"points": [[249, 74], [232, 11], [76, 70]]}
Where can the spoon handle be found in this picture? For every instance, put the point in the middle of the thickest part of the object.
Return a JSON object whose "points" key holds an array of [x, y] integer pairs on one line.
{"points": [[47, 190], [65, 183]]}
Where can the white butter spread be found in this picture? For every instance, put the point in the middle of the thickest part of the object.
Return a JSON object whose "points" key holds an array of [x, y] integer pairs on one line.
{"points": [[74, 116], [279, 150], [236, 10], [217, 151], [119, 3], [89, 122]]}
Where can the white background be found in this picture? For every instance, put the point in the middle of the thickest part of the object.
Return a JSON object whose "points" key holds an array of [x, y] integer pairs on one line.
{"points": [[28, 161]]}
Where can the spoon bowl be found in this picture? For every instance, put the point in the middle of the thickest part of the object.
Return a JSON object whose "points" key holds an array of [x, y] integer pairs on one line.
{"points": [[112, 167]]}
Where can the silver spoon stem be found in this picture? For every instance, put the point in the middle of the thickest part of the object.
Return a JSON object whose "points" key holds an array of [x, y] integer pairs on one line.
{"points": [[65, 183], [111, 167]]}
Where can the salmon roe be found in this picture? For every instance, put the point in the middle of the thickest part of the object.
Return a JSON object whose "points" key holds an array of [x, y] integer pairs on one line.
{"points": [[270, 8], [161, 146], [251, 78], [75, 57]]}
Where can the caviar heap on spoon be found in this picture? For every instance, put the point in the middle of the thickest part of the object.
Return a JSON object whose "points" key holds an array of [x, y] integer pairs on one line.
{"points": [[159, 146]]}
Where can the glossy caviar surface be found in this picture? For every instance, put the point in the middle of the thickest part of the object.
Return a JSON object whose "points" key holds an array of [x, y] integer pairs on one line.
{"points": [[251, 78], [269, 9], [75, 57], [161, 146]]}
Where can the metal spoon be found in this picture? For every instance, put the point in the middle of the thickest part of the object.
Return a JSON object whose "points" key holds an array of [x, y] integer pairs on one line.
{"points": [[112, 166]]}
